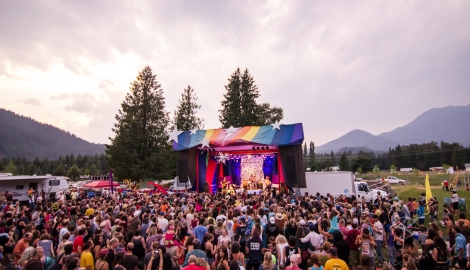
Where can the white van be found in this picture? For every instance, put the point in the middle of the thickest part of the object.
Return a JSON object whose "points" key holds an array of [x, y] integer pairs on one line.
{"points": [[19, 185]]}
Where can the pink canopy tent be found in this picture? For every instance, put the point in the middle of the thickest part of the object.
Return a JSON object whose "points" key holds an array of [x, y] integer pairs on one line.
{"points": [[100, 184], [158, 187]]}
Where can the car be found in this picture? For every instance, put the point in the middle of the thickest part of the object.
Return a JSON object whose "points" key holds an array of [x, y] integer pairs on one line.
{"points": [[395, 180]]}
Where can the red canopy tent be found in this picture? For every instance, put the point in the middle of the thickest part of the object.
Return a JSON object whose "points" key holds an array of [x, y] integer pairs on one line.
{"points": [[100, 184], [159, 188]]}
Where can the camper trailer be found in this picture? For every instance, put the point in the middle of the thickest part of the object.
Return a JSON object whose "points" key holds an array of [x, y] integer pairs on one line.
{"points": [[19, 185]]}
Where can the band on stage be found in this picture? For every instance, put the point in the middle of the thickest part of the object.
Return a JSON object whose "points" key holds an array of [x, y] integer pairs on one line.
{"points": [[248, 184]]}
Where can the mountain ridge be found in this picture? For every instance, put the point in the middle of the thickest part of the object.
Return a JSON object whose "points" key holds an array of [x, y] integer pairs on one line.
{"points": [[449, 124], [27, 138]]}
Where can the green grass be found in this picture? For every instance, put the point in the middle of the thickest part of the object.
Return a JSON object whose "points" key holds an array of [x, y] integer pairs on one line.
{"points": [[415, 190]]}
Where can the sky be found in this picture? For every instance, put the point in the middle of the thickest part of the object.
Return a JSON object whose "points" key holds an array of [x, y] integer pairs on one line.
{"points": [[334, 66]]}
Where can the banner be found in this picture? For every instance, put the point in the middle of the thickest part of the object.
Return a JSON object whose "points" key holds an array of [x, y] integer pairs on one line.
{"points": [[428, 190]]}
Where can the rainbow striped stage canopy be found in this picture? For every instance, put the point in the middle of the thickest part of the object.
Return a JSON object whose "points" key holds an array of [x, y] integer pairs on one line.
{"points": [[270, 135]]}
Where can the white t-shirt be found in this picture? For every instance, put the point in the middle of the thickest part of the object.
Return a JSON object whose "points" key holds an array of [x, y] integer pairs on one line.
{"points": [[455, 198], [162, 223], [378, 227]]}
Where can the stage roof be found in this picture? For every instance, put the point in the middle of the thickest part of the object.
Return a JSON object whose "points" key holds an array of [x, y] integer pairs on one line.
{"points": [[271, 135]]}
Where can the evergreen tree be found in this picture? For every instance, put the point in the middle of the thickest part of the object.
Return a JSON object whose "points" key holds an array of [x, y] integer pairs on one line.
{"points": [[185, 114], [74, 173], [344, 162], [231, 114], [311, 153], [248, 95], [140, 149], [11, 168], [239, 108]]}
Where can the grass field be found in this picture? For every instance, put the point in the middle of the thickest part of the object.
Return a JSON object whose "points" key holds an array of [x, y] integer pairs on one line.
{"points": [[415, 190]]}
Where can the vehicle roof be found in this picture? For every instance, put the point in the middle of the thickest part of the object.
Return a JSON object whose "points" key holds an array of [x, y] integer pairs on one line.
{"points": [[24, 177]]}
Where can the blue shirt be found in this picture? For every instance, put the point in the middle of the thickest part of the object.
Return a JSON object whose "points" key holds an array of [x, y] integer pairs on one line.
{"points": [[420, 211], [196, 252], [199, 232], [460, 243]]}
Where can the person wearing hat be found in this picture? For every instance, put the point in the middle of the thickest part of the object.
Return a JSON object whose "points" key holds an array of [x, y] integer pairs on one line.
{"points": [[315, 239], [271, 228], [334, 263], [162, 221], [101, 263], [280, 221]]}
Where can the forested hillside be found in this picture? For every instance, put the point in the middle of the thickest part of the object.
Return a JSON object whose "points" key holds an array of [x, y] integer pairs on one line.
{"points": [[26, 138]]}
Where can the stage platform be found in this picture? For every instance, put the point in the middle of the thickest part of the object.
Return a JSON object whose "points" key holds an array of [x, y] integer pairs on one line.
{"points": [[251, 191]]}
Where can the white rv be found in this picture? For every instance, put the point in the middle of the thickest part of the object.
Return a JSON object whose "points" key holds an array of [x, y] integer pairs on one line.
{"points": [[19, 185]]}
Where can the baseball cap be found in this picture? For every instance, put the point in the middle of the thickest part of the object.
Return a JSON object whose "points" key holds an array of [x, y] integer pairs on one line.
{"points": [[333, 251]]}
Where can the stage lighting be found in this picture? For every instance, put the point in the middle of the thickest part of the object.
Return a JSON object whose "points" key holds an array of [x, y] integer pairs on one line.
{"points": [[267, 147], [257, 148], [262, 147], [254, 148]]}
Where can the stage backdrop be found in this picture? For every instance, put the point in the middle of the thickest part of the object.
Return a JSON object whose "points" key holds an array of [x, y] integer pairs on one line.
{"points": [[194, 149]]}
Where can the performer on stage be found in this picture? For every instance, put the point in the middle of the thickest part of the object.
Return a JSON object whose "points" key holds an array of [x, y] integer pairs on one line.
{"points": [[266, 183], [224, 184]]}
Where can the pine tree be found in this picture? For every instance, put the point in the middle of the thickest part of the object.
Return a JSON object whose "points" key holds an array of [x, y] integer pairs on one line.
{"points": [[239, 108], [185, 114], [231, 114], [311, 153], [343, 162], [140, 149], [248, 95]]}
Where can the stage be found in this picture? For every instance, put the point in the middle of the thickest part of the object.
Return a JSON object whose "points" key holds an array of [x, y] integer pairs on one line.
{"points": [[240, 156], [250, 191]]}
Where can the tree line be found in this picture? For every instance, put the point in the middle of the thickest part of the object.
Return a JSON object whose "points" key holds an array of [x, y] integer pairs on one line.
{"points": [[68, 165], [416, 156]]}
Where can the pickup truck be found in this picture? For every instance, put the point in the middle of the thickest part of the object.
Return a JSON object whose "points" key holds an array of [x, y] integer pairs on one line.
{"points": [[394, 180]]}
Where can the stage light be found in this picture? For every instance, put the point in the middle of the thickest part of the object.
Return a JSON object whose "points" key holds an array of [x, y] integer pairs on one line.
{"points": [[257, 148], [267, 147], [254, 148]]}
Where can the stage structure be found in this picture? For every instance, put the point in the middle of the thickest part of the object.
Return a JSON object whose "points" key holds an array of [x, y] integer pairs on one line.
{"points": [[241, 158]]}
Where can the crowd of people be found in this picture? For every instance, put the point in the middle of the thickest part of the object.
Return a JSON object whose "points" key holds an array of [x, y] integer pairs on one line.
{"points": [[229, 231]]}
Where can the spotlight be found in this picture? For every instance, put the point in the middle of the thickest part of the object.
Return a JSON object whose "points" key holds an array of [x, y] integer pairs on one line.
{"points": [[254, 148], [257, 148], [267, 147], [262, 147]]}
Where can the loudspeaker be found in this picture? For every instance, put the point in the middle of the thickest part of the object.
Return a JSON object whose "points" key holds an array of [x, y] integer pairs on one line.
{"points": [[183, 170], [291, 170]]}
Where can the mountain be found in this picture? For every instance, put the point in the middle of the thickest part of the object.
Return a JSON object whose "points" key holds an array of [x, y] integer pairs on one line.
{"points": [[449, 124], [26, 138], [356, 138]]}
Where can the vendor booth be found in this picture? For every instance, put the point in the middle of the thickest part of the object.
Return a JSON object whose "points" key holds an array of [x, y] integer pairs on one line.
{"points": [[250, 158]]}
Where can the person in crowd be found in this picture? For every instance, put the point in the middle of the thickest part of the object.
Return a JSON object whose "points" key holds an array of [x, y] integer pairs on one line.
{"points": [[86, 257], [334, 263], [196, 252], [35, 261]]}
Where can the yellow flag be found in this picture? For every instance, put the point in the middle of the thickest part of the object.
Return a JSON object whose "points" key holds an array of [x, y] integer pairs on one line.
{"points": [[428, 190]]}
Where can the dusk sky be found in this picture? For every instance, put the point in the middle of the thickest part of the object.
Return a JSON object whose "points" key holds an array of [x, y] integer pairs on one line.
{"points": [[334, 66]]}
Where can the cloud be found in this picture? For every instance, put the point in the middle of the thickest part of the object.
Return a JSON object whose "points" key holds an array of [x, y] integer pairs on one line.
{"points": [[31, 101], [335, 66]]}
